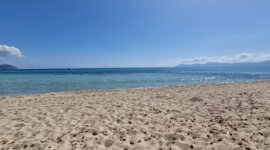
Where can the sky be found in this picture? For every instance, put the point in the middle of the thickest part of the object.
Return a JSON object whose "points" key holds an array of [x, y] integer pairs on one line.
{"points": [[131, 33]]}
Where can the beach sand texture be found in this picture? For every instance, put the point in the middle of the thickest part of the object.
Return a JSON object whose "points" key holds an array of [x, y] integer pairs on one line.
{"points": [[214, 116]]}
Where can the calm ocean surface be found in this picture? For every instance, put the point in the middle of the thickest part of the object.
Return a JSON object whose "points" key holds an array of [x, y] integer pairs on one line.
{"points": [[32, 81]]}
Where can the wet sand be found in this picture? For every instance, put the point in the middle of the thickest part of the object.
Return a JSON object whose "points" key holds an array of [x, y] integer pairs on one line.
{"points": [[213, 116]]}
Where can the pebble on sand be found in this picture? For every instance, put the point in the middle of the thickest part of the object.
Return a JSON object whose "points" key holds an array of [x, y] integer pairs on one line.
{"points": [[108, 142]]}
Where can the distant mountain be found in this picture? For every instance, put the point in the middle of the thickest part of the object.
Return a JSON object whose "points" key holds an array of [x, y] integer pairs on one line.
{"points": [[212, 64], [7, 67]]}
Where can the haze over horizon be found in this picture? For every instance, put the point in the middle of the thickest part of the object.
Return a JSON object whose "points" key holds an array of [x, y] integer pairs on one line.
{"points": [[121, 33]]}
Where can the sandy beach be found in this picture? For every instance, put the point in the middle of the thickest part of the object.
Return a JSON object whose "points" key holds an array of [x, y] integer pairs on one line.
{"points": [[213, 116]]}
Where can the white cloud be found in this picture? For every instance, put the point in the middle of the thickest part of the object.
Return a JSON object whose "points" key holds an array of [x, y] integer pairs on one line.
{"points": [[238, 58], [10, 51]]}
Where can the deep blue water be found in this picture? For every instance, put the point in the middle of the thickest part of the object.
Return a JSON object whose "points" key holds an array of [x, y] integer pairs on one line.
{"points": [[32, 81]]}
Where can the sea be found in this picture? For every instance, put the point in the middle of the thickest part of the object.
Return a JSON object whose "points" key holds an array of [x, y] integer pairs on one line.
{"points": [[35, 81]]}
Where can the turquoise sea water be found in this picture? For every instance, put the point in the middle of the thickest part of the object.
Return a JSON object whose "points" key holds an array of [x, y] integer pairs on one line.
{"points": [[32, 81]]}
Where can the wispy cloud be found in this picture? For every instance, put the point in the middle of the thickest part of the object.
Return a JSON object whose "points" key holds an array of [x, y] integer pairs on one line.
{"points": [[6, 51], [238, 58]]}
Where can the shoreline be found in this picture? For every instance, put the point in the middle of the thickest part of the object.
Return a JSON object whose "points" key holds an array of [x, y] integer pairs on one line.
{"points": [[200, 116], [137, 88]]}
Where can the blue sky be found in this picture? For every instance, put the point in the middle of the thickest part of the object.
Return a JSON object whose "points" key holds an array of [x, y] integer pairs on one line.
{"points": [[130, 33]]}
